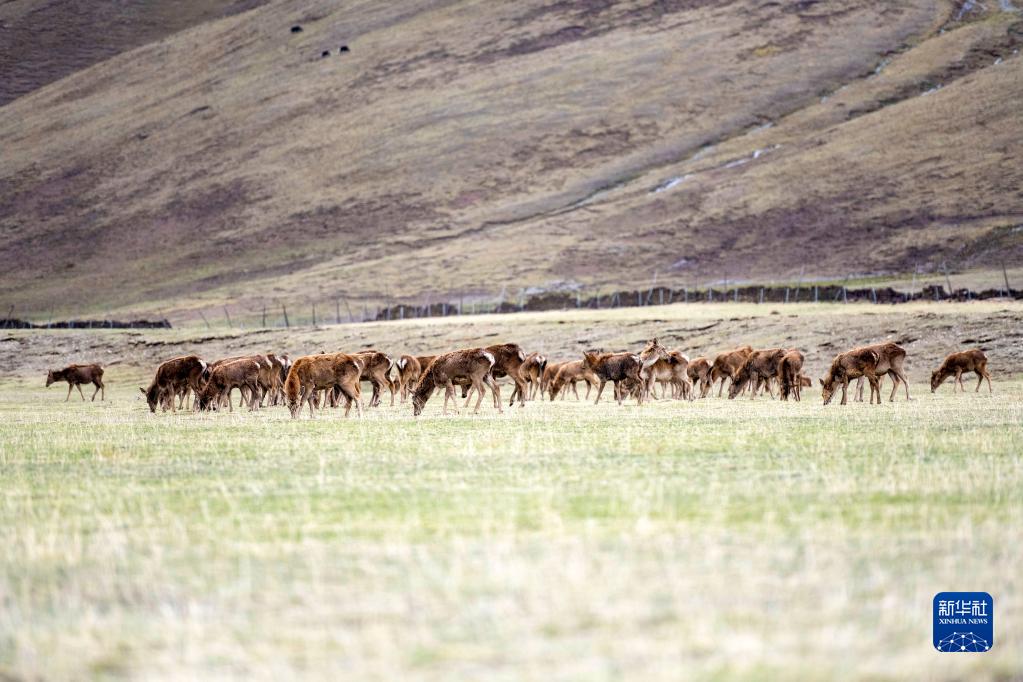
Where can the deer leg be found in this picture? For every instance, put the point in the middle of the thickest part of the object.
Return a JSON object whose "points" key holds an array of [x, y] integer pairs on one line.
{"points": [[895, 386], [478, 385], [986, 375], [307, 397], [600, 390], [874, 388], [467, 394], [905, 381], [93, 399], [845, 387], [495, 389]]}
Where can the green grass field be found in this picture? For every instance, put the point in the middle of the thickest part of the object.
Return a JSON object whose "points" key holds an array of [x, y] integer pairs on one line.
{"points": [[714, 540]]}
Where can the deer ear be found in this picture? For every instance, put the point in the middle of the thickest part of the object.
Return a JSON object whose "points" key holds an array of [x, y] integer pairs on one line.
{"points": [[822, 381], [142, 390]]}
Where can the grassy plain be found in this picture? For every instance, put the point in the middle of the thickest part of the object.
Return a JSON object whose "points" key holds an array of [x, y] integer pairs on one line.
{"points": [[714, 540]]}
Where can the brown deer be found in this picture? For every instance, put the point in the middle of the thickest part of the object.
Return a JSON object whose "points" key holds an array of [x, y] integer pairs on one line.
{"points": [[673, 371], [569, 374], [531, 372], [508, 360], [471, 364], [790, 377], [264, 385], [956, 364], [621, 367], [727, 364], [866, 361], [760, 366], [281, 365], [376, 371], [179, 374], [550, 372], [75, 376], [227, 376], [699, 375], [616, 368], [313, 373], [410, 367]]}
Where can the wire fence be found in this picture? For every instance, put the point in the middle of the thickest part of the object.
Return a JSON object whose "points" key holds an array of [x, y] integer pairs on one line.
{"points": [[341, 309]]}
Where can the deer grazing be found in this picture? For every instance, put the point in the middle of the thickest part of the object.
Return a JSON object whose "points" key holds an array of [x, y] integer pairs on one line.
{"points": [[550, 372], [173, 377], [790, 375], [324, 372], [760, 366], [570, 374], [243, 374], [75, 376], [867, 361], [472, 365], [727, 364], [265, 384], [956, 364]]}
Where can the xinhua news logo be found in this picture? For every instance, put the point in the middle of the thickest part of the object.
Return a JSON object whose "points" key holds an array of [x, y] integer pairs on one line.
{"points": [[964, 622]]}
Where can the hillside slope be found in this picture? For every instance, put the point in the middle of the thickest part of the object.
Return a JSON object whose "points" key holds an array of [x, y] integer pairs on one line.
{"points": [[460, 148], [42, 41]]}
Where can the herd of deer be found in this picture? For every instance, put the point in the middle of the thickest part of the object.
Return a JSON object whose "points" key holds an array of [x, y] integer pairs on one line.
{"points": [[328, 378]]}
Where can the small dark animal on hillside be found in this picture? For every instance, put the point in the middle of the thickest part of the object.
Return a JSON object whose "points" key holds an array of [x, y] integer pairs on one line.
{"points": [[470, 364], [958, 363], [75, 376]]}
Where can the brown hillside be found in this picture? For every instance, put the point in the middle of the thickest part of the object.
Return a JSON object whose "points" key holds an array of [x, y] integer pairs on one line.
{"points": [[462, 147], [42, 41]]}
